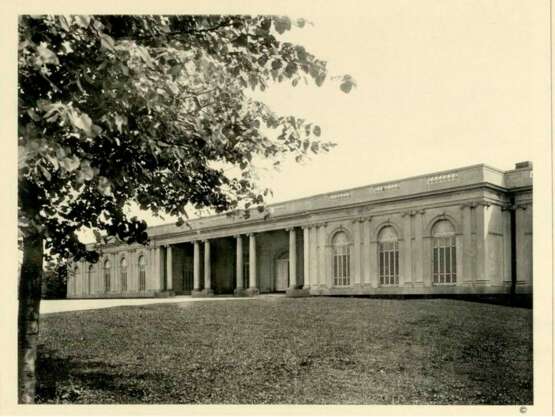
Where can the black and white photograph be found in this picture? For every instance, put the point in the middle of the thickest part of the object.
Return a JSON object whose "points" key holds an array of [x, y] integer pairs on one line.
{"points": [[309, 204]]}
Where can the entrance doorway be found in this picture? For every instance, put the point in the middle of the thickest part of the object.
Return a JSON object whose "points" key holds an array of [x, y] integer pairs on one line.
{"points": [[282, 272]]}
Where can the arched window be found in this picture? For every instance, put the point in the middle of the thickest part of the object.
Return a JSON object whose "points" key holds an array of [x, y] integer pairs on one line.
{"points": [[107, 267], [341, 259], [89, 278], [123, 274], [444, 258], [142, 273], [388, 256]]}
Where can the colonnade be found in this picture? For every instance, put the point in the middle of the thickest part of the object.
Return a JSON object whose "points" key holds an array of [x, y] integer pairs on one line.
{"points": [[204, 287]]}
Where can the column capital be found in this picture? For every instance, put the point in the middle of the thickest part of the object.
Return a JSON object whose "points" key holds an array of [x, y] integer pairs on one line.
{"points": [[251, 234], [238, 236]]}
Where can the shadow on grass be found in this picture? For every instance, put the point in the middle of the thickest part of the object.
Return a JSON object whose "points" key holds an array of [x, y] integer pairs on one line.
{"points": [[64, 380]]}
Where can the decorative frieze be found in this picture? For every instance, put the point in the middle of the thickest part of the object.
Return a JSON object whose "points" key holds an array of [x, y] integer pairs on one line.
{"points": [[442, 178], [385, 187], [339, 196]]}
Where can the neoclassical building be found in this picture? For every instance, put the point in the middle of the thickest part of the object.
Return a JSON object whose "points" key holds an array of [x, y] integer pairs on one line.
{"points": [[462, 231]]}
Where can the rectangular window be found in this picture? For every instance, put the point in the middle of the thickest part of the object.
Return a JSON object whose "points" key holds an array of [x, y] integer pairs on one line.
{"points": [[444, 261], [123, 281], [389, 263], [142, 280], [341, 269]]}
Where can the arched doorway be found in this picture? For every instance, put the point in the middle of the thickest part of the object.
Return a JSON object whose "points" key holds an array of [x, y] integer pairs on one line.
{"points": [[282, 272]]}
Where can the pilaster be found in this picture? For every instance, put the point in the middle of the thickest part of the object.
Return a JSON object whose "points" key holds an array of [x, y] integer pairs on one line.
{"points": [[357, 270], [406, 251], [306, 255], [465, 275], [207, 269], [253, 287], [420, 247]]}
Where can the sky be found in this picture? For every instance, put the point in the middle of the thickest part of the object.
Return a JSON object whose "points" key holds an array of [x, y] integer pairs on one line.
{"points": [[440, 85]]}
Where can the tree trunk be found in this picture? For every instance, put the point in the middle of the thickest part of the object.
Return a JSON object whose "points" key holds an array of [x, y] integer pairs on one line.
{"points": [[30, 281]]}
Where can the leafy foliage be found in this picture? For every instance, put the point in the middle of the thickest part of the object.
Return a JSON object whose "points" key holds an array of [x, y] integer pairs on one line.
{"points": [[54, 280], [151, 110]]}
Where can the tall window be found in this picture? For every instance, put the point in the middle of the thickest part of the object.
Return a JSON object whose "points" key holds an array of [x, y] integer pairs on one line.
{"points": [[89, 278], [107, 277], [341, 259], [123, 274], [444, 257], [142, 273], [388, 247]]}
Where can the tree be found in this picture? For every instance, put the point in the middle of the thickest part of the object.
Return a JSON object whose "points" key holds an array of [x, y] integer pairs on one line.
{"points": [[54, 280], [152, 110]]}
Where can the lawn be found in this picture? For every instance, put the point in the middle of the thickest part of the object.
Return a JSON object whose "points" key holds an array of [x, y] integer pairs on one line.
{"points": [[295, 351]]}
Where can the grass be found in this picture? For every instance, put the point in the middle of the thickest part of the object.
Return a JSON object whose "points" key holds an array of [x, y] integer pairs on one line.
{"points": [[295, 351]]}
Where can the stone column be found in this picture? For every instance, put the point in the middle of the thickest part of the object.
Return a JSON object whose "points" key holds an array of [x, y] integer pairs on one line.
{"points": [[169, 269], [406, 251], [313, 256], [196, 269], [306, 255], [207, 269], [482, 225], [524, 241], [156, 269], [322, 269], [366, 253], [506, 212], [374, 278], [293, 290], [292, 258], [252, 290], [357, 270], [239, 290], [419, 242], [468, 251]]}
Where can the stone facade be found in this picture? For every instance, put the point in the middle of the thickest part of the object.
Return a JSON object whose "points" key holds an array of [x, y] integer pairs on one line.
{"points": [[463, 231]]}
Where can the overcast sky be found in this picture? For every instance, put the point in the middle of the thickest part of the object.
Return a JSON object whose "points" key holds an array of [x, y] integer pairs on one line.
{"points": [[440, 85]]}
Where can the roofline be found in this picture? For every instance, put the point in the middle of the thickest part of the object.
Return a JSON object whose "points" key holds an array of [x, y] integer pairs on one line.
{"points": [[352, 189]]}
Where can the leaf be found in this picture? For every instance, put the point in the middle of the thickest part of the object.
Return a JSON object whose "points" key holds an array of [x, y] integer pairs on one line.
{"points": [[107, 42], [82, 20], [45, 173], [282, 24], [46, 56], [317, 130], [81, 121], [120, 122], [70, 164], [347, 84], [276, 64]]}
